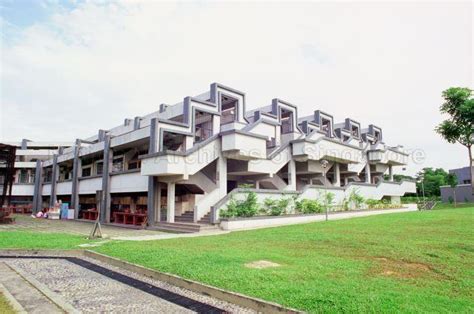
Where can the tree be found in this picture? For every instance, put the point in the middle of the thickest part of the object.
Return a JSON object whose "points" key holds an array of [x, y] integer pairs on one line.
{"points": [[430, 180], [452, 181], [459, 127]]}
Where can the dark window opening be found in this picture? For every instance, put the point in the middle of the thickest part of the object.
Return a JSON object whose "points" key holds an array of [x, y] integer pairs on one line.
{"points": [[134, 163], [377, 136], [271, 142], [345, 138], [86, 172], [100, 168], [228, 109], [203, 126], [48, 174], [286, 119], [117, 164], [174, 142], [326, 126], [355, 131]]}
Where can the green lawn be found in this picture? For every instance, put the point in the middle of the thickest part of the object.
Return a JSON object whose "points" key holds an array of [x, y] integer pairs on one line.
{"points": [[5, 307], [408, 262], [35, 240]]}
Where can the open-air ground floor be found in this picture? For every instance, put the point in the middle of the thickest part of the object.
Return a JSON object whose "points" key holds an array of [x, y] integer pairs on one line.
{"points": [[405, 262]]}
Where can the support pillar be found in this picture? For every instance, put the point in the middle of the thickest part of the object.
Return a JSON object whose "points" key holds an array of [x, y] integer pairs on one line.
{"points": [[38, 190], [157, 201], [107, 166], [54, 180], [170, 204], [76, 165], [337, 174], [222, 176], [367, 173], [291, 176], [390, 173], [151, 200]]}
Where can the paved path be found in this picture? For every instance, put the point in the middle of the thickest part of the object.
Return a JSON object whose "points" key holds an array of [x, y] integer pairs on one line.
{"points": [[92, 287], [32, 300]]}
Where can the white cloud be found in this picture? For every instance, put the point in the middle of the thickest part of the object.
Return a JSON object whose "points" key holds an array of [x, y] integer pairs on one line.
{"points": [[381, 63]]}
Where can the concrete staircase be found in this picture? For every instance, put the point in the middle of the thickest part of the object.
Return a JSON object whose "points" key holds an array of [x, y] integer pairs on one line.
{"points": [[185, 224], [182, 227]]}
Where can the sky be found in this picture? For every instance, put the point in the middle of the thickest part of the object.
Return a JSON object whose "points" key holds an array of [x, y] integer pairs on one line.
{"points": [[69, 68]]}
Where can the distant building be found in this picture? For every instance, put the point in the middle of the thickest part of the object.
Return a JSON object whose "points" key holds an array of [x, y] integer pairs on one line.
{"points": [[464, 191], [27, 154]]}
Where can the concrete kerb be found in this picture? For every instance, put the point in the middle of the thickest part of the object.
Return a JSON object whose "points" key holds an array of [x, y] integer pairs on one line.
{"points": [[52, 296], [17, 308], [256, 304]]}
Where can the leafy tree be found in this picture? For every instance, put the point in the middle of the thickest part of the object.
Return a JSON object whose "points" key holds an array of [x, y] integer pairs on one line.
{"points": [[431, 179], [459, 127], [452, 181]]}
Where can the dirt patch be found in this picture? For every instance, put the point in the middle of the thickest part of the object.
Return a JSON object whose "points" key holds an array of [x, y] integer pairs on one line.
{"points": [[401, 269], [261, 264]]}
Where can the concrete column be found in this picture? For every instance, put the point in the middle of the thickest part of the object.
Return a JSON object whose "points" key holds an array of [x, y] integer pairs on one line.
{"points": [[390, 173], [151, 200], [153, 184], [76, 165], [337, 175], [157, 201], [291, 176], [107, 167], [170, 204], [54, 180], [38, 190], [367, 173], [222, 176]]}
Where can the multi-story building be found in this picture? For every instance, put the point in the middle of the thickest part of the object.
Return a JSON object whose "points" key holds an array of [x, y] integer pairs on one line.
{"points": [[28, 153], [179, 162]]}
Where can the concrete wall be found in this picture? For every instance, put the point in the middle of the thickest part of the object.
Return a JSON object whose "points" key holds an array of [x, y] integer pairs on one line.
{"points": [[463, 193], [273, 221]]}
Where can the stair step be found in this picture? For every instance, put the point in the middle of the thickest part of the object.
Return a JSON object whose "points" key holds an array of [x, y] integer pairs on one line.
{"points": [[182, 227]]}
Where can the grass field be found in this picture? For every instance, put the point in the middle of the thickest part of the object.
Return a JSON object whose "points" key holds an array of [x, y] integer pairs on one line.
{"points": [[410, 262], [34, 240], [5, 307], [407, 262]]}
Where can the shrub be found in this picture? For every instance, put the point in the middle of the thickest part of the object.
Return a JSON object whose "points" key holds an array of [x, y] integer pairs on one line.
{"points": [[245, 208], [356, 199], [307, 206], [275, 207], [371, 203]]}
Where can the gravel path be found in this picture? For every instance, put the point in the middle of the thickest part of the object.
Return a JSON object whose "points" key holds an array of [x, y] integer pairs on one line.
{"points": [[91, 287]]}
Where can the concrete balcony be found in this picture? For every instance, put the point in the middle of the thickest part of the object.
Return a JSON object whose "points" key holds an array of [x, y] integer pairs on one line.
{"points": [[170, 163], [19, 189], [325, 148], [64, 188], [25, 164], [389, 156], [243, 146], [90, 185]]}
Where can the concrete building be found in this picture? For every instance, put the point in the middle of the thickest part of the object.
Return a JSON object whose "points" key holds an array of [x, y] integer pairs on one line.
{"points": [[28, 154], [464, 190], [175, 164]]}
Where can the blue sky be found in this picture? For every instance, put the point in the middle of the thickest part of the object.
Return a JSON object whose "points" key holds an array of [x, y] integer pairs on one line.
{"points": [[23, 13], [69, 68]]}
